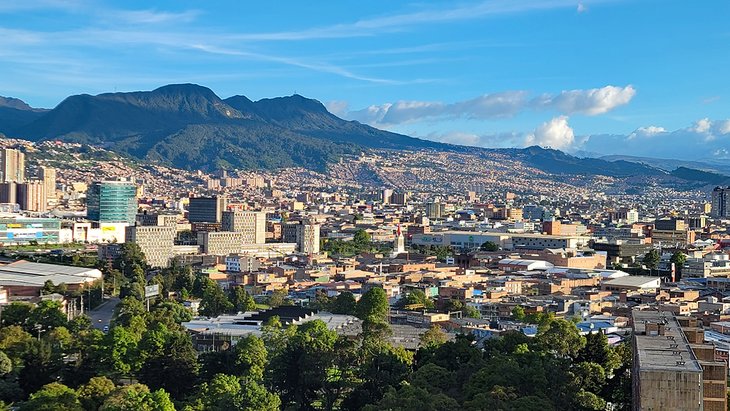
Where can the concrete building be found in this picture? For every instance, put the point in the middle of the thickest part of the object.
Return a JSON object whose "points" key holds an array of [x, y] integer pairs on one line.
{"points": [[9, 192], [242, 263], [12, 165], [206, 209], [631, 283], [435, 210], [112, 202], [252, 224], [720, 203], [156, 242], [221, 242], [470, 240], [32, 196], [48, 176], [23, 278], [308, 238], [711, 265], [673, 369], [154, 219]]}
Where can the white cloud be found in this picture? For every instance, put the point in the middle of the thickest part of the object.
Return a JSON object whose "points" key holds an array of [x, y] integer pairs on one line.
{"points": [[723, 127], [582, 8], [646, 132], [590, 102], [496, 105], [702, 125], [555, 133]]}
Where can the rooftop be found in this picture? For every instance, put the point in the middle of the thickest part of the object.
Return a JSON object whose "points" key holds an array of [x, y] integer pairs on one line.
{"points": [[670, 351]]}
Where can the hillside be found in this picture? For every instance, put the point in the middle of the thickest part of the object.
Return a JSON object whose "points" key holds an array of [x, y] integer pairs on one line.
{"points": [[188, 126]]}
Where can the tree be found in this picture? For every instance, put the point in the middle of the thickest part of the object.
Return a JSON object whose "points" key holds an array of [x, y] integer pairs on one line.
{"points": [[95, 392], [121, 354], [251, 358], [14, 341], [42, 365], [47, 315], [434, 337], [170, 361], [17, 313], [214, 302], [344, 303], [373, 303], [130, 255], [651, 259], [562, 338], [53, 397], [6, 364], [277, 298], [518, 313], [409, 398], [361, 238], [226, 392], [137, 397], [419, 298], [241, 300], [489, 246]]}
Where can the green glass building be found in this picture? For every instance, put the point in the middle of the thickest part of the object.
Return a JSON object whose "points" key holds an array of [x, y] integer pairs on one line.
{"points": [[112, 202]]}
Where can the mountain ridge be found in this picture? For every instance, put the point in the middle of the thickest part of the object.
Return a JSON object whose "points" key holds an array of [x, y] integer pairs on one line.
{"points": [[190, 127]]}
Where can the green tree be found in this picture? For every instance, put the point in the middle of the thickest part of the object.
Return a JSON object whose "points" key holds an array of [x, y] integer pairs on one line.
{"points": [[409, 398], [418, 297], [241, 300], [137, 397], [17, 313], [53, 397], [42, 365], [121, 352], [518, 313], [6, 364], [130, 257], [651, 259], [226, 392], [561, 337], [251, 358], [93, 394], [489, 246], [434, 337], [170, 361], [214, 302], [373, 303], [361, 238], [597, 350], [277, 298], [47, 315], [14, 341], [344, 303]]}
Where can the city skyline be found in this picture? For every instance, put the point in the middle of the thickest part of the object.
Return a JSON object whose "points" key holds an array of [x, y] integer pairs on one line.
{"points": [[596, 77]]}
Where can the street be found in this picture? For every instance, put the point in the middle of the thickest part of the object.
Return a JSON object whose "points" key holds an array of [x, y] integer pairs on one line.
{"points": [[102, 315]]}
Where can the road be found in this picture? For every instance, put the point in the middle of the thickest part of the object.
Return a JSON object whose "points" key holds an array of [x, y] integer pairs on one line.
{"points": [[102, 315]]}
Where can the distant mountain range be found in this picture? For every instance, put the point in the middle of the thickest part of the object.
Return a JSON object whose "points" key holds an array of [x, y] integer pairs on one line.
{"points": [[190, 127]]}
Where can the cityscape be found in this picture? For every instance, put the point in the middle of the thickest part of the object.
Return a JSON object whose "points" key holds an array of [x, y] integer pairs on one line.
{"points": [[165, 247]]}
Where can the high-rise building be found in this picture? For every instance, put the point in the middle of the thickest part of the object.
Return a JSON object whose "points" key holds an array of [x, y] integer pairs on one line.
{"points": [[12, 165], [435, 210], [206, 209], [251, 223], [156, 242], [112, 202], [9, 192], [308, 238], [720, 203], [48, 176], [32, 196]]}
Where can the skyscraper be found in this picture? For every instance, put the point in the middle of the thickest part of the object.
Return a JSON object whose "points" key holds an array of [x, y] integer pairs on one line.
{"points": [[12, 165], [308, 238], [720, 199], [112, 202]]}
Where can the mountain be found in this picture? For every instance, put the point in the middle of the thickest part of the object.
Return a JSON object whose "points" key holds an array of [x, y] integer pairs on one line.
{"points": [[15, 113], [710, 165], [190, 127], [701, 176]]}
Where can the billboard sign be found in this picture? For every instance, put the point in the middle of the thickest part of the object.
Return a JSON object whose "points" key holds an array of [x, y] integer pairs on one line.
{"points": [[151, 290]]}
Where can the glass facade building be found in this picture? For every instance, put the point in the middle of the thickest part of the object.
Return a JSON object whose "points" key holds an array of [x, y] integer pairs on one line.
{"points": [[112, 202]]}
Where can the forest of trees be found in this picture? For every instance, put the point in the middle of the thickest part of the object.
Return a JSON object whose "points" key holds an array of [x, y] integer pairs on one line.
{"points": [[147, 361]]}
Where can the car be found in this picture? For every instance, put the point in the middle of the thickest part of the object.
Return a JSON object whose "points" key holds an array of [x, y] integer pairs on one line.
{"points": [[106, 328]]}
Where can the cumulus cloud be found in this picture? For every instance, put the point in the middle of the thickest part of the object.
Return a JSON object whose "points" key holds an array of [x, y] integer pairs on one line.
{"points": [[704, 139], [555, 133], [496, 105], [590, 102]]}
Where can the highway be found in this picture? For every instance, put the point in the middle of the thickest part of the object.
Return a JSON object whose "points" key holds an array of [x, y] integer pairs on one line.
{"points": [[102, 315]]}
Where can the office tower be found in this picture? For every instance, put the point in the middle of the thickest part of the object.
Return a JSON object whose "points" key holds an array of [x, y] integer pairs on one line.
{"points": [[32, 196], [289, 232], [435, 210], [112, 202], [720, 206], [9, 192], [251, 223], [399, 198], [206, 209], [12, 165], [308, 238], [385, 195], [156, 242], [48, 176]]}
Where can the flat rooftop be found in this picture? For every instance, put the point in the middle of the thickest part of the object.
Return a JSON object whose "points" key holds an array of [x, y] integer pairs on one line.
{"points": [[502, 234], [668, 352]]}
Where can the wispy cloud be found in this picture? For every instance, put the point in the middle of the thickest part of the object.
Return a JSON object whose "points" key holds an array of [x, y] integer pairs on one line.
{"points": [[154, 16]]}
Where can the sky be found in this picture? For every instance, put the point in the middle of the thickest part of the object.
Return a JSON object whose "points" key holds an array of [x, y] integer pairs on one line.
{"points": [[632, 77]]}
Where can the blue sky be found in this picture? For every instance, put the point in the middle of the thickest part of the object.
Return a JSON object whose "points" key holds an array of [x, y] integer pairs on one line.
{"points": [[608, 76]]}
